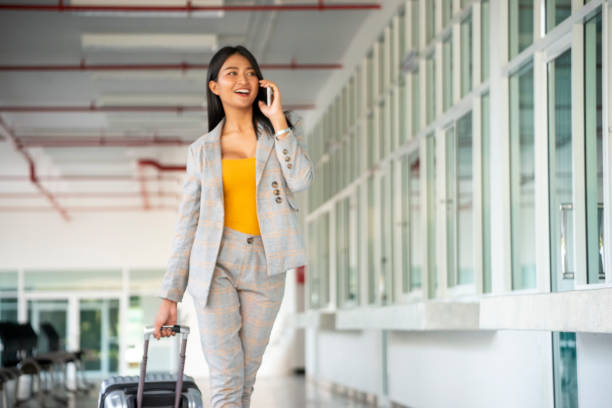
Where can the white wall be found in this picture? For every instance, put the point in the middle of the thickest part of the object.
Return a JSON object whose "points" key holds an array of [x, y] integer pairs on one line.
{"points": [[471, 369], [594, 360]]}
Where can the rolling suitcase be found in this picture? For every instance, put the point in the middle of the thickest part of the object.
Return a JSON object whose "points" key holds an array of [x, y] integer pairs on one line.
{"points": [[153, 390]]}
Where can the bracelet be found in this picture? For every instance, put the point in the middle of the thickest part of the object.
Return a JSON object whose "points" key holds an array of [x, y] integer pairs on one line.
{"points": [[281, 132]]}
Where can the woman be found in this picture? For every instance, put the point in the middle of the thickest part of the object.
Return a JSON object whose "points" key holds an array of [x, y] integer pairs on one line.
{"points": [[237, 232]]}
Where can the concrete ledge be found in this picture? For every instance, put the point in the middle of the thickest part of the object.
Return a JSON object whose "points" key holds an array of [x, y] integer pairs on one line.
{"points": [[579, 311], [430, 315], [316, 319]]}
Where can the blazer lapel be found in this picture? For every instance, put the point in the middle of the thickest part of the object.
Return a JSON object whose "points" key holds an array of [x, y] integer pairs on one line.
{"points": [[213, 155]]}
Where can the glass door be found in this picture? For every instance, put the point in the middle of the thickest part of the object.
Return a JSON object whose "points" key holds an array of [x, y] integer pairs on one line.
{"points": [[99, 335], [52, 311]]}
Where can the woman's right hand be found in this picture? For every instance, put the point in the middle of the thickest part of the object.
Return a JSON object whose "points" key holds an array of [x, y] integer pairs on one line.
{"points": [[166, 316]]}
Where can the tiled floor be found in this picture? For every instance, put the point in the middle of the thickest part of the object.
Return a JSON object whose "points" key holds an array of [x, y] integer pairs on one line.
{"points": [[283, 392]]}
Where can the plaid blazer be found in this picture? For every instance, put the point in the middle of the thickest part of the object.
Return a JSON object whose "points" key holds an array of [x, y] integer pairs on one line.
{"points": [[201, 217]]}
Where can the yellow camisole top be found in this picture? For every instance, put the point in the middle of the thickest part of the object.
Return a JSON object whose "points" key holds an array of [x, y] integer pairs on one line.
{"points": [[239, 195]]}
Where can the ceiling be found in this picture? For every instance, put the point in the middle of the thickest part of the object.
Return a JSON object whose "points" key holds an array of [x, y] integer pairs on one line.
{"points": [[115, 139]]}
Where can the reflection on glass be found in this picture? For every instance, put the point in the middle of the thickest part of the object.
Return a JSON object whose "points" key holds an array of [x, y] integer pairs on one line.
{"points": [[371, 230], [447, 12], [560, 172], [386, 220], [405, 223], [323, 241], [54, 312], [466, 56], [447, 73], [451, 208], [340, 254], [465, 202], [520, 26], [416, 103], [486, 193], [371, 140], [352, 285], [556, 12], [403, 111], [593, 87], [370, 77], [522, 177], [99, 335], [431, 88], [431, 214], [485, 41], [314, 281], [416, 233], [430, 21], [414, 25], [8, 296], [565, 369]]}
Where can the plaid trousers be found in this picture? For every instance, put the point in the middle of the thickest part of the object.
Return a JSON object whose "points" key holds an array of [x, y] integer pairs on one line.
{"points": [[236, 321]]}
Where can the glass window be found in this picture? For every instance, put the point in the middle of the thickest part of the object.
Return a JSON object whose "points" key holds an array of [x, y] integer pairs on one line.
{"points": [[520, 26], [381, 67], [447, 12], [8, 296], [560, 172], [386, 221], [431, 88], [99, 334], [142, 280], [54, 312], [64, 280], [351, 217], [416, 102], [459, 181], [430, 20], [565, 369], [383, 134], [370, 73], [403, 110], [486, 192], [402, 35], [556, 12], [342, 249], [371, 238], [319, 261], [415, 24], [431, 214], [416, 235], [371, 140], [522, 175], [466, 56], [447, 73], [406, 214], [593, 88], [485, 40]]}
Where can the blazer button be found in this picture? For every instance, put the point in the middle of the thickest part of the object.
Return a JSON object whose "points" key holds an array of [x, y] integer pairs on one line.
{"points": [[250, 240], [274, 184], [285, 151], [289, 165], [276, 192], [279, 200], [287, 158]]}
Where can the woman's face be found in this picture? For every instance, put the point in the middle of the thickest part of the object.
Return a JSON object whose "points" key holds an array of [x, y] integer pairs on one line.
{"points": [[236, 74]]}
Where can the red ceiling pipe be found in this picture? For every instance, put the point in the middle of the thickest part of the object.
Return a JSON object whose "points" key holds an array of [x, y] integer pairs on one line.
{"points": [[183, 66], [99, 141], [33, 178], [119, 108], [159, 166], [319, 6]]}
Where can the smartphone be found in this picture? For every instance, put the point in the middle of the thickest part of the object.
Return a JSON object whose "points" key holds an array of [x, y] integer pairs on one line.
{"points": [[269, 95]]}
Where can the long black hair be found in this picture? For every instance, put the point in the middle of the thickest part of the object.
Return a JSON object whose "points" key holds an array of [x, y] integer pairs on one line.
{"points": [[215, 107]]}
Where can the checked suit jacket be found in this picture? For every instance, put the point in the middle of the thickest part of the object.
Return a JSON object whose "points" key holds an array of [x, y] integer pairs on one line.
{"points": [[281, 164]]}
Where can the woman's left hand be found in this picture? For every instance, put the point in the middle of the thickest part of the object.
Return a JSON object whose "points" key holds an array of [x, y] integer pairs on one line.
{"points": [[275, 110]]}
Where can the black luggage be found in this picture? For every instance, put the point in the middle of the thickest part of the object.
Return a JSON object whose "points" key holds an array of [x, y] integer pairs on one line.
{"points": [[156, 390]]}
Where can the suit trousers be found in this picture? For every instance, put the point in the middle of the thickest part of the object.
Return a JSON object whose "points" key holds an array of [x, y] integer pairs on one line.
{"points": [[236, 322]]}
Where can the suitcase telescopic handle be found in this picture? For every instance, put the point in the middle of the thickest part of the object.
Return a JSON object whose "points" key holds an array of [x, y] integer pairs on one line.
{"points": [[184, 331]]}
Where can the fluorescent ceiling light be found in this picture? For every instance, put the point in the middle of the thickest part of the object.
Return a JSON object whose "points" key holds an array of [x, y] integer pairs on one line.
{"points": [[152, 3], [166, 42]]}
